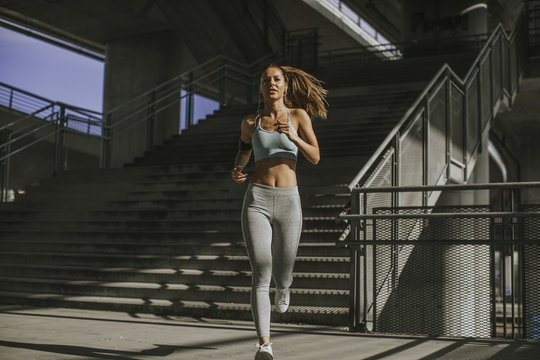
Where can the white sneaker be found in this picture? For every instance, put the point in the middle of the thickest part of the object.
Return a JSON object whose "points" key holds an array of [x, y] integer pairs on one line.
{"points": [[264, 352], [281, 300]]}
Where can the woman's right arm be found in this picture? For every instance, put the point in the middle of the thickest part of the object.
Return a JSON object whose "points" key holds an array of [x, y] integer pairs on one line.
{"points": [[244, 153]]}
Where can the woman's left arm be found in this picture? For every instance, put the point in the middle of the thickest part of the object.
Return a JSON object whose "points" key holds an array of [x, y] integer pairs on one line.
{"points": [[306, 140]]}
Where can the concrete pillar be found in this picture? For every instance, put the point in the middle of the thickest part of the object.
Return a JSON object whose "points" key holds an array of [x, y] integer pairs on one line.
{"points": [[466, 268], [441, 26], [133, 66]]}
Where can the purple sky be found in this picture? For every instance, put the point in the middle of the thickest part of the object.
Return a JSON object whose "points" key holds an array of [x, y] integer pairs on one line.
{"points": [[62, 75], [50, 71]]}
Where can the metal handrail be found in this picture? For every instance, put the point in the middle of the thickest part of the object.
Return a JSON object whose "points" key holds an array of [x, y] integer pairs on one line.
{"points": [[478, 186], [404, 119], [36, 141], [32, 115], [174, 91], [491, 86], [202, 78], [445, 69], [26, 92]]}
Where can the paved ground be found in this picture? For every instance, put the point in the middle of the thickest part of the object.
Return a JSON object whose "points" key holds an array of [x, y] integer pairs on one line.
{"points": [[54, 334]]}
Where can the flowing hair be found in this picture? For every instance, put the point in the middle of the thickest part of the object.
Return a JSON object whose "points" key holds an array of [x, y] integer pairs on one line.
{"points": [[304, 91]]}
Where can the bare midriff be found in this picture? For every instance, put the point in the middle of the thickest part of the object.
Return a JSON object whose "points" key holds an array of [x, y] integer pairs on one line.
{"points": [[275, 172]]}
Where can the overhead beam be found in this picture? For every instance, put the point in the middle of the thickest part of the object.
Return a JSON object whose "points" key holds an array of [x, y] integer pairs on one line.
{"points": [[29, 26]]}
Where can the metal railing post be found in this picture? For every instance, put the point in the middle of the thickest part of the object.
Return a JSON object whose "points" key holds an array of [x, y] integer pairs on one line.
{"points": [[10, 99], [222, 87], [355, 292], [4, 164], [60, 142], [106, 131], [189, 101], [150, 121]]}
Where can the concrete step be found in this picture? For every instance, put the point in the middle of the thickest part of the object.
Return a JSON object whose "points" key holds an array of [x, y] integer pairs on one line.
{"points": [[172, 184], [213, 309], [188, 237], [331, 136], [204, 262], [221, 130], [225, 190], [172, 292], [311, 183], [194, 224], [355, 147], [327, 130], [163, 235], [146, 214], [66, 203], [163, 275], [200, 192], [182, 172], [158, 248], [45, 203]]}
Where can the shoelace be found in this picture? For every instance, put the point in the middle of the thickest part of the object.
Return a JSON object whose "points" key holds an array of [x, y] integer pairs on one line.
{"points": [[265, 345], [282, 297]]}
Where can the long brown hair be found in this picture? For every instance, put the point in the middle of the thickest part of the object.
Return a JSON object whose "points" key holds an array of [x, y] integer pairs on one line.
{"points": [[304, 91]]}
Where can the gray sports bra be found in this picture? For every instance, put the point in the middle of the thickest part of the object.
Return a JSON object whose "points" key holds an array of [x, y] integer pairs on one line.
{"points": [[271, 144]]}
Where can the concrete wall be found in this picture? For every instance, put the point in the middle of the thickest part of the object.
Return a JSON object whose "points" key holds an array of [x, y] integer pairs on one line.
{"points": [[519, 132], [133, 66], [435, 26]]}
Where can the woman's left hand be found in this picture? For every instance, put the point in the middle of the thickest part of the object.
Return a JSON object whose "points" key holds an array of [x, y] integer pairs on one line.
{"points": [[284, 128]]}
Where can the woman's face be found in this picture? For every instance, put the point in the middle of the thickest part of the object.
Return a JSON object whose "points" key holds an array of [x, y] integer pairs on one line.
{"points": [[273, 85]]}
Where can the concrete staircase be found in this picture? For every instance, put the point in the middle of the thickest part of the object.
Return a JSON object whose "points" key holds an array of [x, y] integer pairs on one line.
{"points": [[162, 234]]}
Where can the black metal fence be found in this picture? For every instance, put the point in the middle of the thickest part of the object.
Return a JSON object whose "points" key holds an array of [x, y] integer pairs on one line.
{"points": [[467, 266]]}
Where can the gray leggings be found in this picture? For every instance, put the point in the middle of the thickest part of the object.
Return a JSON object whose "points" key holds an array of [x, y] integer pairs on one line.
{"points": [[271, 225]]}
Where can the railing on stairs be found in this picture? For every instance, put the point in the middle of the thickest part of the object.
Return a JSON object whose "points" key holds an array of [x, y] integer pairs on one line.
{"points": [[48, 123], [221, 78], [35, 106], [436, 141]]}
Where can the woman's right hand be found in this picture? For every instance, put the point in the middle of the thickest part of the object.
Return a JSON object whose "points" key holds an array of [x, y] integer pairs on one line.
{"points": [[238, 176]]}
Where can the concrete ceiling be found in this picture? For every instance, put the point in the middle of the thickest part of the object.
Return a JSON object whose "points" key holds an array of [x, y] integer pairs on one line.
{"points": [[235, 28], [89, 22], [95, 23], [386, 14]]}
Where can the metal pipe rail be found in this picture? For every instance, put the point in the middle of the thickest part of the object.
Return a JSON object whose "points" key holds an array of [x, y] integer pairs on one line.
{"points": [[54, 119], [449, 187], [17, 99]]}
